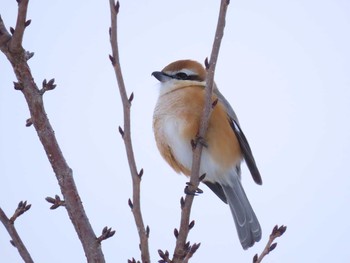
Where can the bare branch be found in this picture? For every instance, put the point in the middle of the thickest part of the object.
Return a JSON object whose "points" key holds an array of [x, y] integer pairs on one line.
{"points": [[106, 233], [16, 240], [164, 256], [4, 34], [47, 85], [17, 37], [56, 202], [20, 210], [181, 252], [276, 232], [192, 249], [18, 59], [126, 134]]}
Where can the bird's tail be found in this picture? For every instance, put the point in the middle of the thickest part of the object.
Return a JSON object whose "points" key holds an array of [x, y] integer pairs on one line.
{"points": [[247, 224]]}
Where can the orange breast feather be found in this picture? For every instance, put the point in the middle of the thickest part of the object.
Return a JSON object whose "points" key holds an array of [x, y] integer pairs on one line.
{"points": [[186, 106]]}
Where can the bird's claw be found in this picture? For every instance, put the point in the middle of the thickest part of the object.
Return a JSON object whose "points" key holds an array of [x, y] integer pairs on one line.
{"points": [[199, 139], [190, 191]]}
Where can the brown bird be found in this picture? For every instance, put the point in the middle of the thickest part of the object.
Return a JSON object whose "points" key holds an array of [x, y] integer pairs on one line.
{"points": [[176, 122]]}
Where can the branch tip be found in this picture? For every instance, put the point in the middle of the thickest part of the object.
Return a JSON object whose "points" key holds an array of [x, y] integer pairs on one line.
{"points": [[56, 202], [51, 81], [182, 202], [27, 23], [160, 253], [147, 231], [272, 247], [106, 233], [164, 256], [111, 58], [194, 247], [116, 7], [131, 205], [17, 86], [176, 233], [140, 173], [131, 97], [47, 85], [28, 55], [29, 122], [13, 243], [187, 245], [121, 131], [276, 232], [22, 207], [201, 178], [191, 225], [206, 63]]}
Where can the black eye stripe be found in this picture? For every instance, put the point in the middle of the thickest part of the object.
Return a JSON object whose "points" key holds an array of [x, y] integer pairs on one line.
{"points": [[184, 76], [181, 75]]}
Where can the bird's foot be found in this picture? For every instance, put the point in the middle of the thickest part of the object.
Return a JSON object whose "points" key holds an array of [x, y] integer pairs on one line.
{"points": [[190, 191], [199, 140]]}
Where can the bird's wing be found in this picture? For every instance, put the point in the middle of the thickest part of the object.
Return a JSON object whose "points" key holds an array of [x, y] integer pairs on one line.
{"points": [[246, 151], [217, 189]]}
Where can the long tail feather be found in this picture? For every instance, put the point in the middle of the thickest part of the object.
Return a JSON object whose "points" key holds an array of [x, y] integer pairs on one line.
{"points": [[247, 224]]}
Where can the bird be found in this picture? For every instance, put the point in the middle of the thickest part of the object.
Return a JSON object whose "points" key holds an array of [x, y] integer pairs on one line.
{"points": [[176, 121]]}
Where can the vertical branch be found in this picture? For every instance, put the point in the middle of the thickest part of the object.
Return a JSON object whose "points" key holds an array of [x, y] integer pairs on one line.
{"points": [[13, 49], [181, 250], [16, 240], [126, 134], [17, 36]]}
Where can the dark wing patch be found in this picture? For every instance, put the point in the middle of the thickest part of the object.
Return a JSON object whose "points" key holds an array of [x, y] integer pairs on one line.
{"points": [[217, 189], [246, 151]]}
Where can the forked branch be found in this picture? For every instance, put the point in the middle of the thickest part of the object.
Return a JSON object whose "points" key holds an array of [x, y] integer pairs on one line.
{"points": [[16, 241], [276, 232], [12, 47]]}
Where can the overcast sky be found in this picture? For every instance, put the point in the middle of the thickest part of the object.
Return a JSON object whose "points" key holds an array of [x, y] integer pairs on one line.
{"points": [[284, 66]]}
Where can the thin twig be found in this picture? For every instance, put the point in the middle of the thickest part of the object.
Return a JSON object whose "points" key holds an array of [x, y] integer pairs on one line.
{"points": [[180, 249], [191, 251], [15, 238], [64, 174], [17, 37], [276, 232], [126, 134]]}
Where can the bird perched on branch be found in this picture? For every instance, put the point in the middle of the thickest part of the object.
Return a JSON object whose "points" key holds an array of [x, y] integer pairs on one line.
{"points": [[176, 123]]}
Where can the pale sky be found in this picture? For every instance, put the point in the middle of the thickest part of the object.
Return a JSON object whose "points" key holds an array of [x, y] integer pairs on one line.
{"points": [[284, 66]]}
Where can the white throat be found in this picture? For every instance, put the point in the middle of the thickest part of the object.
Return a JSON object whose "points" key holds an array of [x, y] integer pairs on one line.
{"points": [[173, 84]]}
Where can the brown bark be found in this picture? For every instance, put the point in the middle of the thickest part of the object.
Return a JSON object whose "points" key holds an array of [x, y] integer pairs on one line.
{"points": [[11, 46]]}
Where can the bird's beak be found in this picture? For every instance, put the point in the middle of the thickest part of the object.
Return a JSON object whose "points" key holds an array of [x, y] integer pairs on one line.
{"points": [[162, 77]]}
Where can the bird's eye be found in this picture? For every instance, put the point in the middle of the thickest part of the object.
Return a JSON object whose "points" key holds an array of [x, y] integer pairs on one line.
{"points": [[181, 75]]}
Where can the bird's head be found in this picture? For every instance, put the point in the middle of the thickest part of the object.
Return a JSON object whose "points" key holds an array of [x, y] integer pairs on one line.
{"points": [[181, 73]]}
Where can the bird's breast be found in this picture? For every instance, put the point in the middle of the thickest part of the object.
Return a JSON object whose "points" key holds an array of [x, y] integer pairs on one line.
{"points": [[176, 122]]}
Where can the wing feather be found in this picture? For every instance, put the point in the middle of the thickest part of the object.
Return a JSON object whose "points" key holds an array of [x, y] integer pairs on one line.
{"points": [[243, 142]]}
